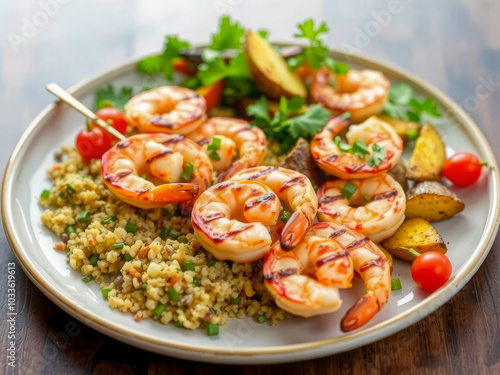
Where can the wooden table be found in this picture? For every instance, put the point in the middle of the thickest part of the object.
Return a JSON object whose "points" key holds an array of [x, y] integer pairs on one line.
{"points": [[453, 44]]}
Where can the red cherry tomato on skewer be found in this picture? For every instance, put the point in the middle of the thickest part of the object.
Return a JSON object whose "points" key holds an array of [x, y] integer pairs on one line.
{"points": [[462, 169], [93, 141]]}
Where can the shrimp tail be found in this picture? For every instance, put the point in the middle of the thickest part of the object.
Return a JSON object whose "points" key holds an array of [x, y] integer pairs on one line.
{"points": [[237, 166], [174, 193], [294, 231], [361, 312]]}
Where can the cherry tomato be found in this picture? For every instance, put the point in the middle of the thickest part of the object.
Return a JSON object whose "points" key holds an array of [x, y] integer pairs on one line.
{"points": [[463, 169], [431, 270], [115, 118], [92, 143]]}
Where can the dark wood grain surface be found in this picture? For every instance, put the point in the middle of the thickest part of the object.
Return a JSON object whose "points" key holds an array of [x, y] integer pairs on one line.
{"points": [[455, 44]]}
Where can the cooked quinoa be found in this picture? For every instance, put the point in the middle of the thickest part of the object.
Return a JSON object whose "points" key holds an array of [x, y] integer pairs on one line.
{"points": [[120, 247]]}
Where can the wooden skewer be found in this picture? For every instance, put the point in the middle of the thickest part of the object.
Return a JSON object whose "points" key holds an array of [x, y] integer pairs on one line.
{"points": [[69, 99]]}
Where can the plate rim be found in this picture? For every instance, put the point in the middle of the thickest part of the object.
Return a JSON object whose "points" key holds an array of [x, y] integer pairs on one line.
{"points": [[371, 334]]}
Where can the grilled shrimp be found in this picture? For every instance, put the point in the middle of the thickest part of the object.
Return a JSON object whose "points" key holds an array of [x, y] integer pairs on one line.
{"points": [[375, 209], [230, 220], [236, 137], [293, 188], [362, 93], [373, 132], [166, 109], [288, 277], [145, 170]]}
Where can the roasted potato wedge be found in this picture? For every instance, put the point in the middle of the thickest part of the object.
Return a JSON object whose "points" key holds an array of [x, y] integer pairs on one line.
{"points": [[402, 127], [428, 156], [432, 201], [417, 234], [398, 172], [300, 159], [270, 70], [388, 255]]}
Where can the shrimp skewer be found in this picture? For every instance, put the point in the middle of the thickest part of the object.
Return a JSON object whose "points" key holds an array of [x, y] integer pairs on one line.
{"points": [[293, 188], [330, 158], [230, 220], [166, 109], [145, 170], [236, 137], [375, 209], [362, 93]]}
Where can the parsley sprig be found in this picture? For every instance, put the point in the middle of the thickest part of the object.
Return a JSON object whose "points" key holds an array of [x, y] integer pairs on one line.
{"points": [[109, 97], [403, 105], [316, 54], [286, 126], [163, 63], [359, 149]]}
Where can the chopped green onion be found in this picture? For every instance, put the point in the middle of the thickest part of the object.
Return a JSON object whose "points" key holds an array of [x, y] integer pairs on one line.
{"points": [[118, 246], [182, 239], [484, 163], [159, 309], [412, 134], [70, 189], [87, 278], [167, 212], [174, 234], [235, 301], [315, 187], [204, 324], [62, 195], [188, 265], [367, 198], [188, 172], [131, 228], [85, 176], [83, 217], [144, 176], [93, 259], [214, 156], [178, 270], [411, 251], [260, 319], [178, 324], [196, 280], [164, 233], [395, 284], [215, 145], [45, 194], [144, 286], [105, 292], [174, 296], [349, 190], [212, 262], [285, 216], [128, 257], [108, 219], [345, 116], [212, 330], [70, 229]]}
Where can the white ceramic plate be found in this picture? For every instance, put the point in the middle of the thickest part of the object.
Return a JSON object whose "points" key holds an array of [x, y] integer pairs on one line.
{"points": [[470, 237]]}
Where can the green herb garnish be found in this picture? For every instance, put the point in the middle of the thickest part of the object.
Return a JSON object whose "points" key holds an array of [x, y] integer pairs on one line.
{"points": [[105, 292], [188, 172], [128, 257], [93, 259], [118, 246], [83, 216], [285, 216], [45, 194], [87, 278], [174, 296], [108, 97], [109, 219], [159, 309], [348, 190], [212, 330], [188, 265], [131, 228], [285, 128], [164, 233], [396, 284]]}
